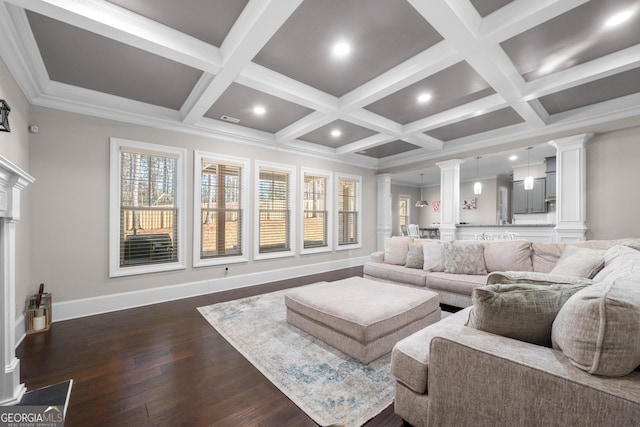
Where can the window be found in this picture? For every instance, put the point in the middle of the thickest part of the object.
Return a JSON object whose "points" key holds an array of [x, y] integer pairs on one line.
{"points": [[348, 204], [220, 200], [403, 212], [146, 208], [316, 200], [275, 210]]}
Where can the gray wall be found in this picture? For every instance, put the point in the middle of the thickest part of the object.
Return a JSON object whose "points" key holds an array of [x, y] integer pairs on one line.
{"points": [[14, 146], [70, 159]]}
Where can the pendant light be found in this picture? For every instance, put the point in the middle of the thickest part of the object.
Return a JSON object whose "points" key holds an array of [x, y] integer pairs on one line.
{"points": [[422, 202], [477, 186], [528, 180]]}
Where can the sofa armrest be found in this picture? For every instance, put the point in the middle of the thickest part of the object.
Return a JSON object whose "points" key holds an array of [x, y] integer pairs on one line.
{"points": [[513, 277], [377, 256], [477, 378]]}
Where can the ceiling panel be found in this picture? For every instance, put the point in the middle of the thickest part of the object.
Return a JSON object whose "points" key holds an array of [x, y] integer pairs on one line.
{"points": [[376, 29], [449, 88], [484, 123], [487, 7], [573, 38], [388, 149], [81, 58], [597, 91], [239, 101], [348, 133], [210, 24]]}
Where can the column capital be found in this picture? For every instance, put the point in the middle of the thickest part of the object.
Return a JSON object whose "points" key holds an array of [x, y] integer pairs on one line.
{"points": [[571, 141], [448, 164]]}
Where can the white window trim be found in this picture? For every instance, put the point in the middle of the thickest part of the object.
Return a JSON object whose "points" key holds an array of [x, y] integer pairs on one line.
{"points": [[358, 178], [114, 208], [330, 214], [197, 192], [292, 206]]}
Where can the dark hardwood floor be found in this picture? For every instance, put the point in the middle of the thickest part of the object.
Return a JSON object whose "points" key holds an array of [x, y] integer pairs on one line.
{"points": [[163, 365]]}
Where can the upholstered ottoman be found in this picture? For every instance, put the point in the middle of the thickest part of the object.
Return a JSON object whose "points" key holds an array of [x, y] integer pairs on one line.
{"points": [[361, 317]]}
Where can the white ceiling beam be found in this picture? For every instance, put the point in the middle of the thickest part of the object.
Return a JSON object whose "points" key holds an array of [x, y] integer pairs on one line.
{"points": [[365, 143], [305, 125], [424, 141], [373, 121], [122, 25], [259, 20]]}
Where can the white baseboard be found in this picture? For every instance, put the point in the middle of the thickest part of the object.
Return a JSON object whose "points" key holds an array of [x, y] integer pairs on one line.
{"points": [[89, 306]]}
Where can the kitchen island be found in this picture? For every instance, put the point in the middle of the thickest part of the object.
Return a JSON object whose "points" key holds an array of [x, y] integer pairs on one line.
{"points": [[542, 233]]}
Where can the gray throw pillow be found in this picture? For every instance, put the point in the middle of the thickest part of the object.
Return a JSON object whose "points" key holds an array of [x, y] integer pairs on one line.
{"points": [[520, 311], [415, 258], [464, 258]]}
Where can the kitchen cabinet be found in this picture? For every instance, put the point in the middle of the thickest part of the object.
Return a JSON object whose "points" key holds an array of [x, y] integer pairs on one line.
{"points": [[551, 186], [529, 201]]}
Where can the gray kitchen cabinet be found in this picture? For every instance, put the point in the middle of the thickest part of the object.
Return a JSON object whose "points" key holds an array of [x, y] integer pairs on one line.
{"points": [[529, 201]]}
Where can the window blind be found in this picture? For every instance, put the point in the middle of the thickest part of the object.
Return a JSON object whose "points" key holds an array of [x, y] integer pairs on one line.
{"points": [[347, 211], [315, 211], [274, 211], [221, 209], [148, 209]]}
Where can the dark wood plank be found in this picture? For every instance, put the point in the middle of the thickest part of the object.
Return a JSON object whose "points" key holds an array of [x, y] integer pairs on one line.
{"points": [[164, 365]]}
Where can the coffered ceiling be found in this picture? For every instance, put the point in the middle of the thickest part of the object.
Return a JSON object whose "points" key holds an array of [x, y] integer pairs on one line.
{"points": [[417, 81]]}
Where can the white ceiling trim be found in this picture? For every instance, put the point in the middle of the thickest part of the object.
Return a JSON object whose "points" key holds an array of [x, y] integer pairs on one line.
{"points": [[424, 141], [365, 144], [373, 121]]}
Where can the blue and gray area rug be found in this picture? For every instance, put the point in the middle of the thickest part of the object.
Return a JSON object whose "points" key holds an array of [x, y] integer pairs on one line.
{"points": [[326, 384]]}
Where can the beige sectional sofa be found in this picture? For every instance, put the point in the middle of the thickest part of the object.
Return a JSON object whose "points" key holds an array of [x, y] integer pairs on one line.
{"points": [[531, 351], [455, 269]]}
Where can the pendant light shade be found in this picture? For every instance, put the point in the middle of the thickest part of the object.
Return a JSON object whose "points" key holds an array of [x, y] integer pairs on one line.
{"points": [[422, 202], [477, 186], [528, 180]]}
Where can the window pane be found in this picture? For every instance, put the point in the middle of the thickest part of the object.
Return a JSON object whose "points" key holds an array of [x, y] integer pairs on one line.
{"points": [[315, 211], [274, 212], [221, 210], [347, 212], [148, 212]]}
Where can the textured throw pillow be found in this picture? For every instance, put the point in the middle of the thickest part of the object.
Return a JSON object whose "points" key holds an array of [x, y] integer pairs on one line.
{"points": [[522, 311], [396, 249], [619, 261], [433, 254], [464, 258], [579, 262], [598, 328], [508, 256], [415, 258]]}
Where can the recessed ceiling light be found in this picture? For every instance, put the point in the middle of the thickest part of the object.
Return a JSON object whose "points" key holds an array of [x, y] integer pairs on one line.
{"points": [[259, 110], [513, 157], [336, 133], [341, 49], [424, 98], [619, 18]]}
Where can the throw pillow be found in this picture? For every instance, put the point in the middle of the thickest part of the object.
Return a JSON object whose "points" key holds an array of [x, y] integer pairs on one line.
{"points": [[598, 329], [619, 261], [433, 254], [396, 249], [521, 311], [415, 258], [579, 262], [464, 258], [508, 255]]}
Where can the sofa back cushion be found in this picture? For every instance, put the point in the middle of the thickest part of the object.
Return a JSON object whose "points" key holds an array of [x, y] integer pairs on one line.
{"points": [[581, 262], [520, 311], [619, 261], [598, 329], [396, 249], [464, 257], [545, 256], [514, 255], [433, 254]]}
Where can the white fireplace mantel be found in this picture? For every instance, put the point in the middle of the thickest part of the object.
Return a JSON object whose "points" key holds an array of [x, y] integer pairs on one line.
{"points": [[12, 181]]}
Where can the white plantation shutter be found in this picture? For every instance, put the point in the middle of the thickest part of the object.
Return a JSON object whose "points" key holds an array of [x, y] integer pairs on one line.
{"points": [[348, 211], [316, 212], [274, 210]]}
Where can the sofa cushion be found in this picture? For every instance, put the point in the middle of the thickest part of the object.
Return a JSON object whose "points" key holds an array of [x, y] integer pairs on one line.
{"points": [[534, 277], [581, 262], [598, 328], [433, 254], [464, 258], [395, 273], [415, 259], [619, 261], [520, 311], [508, 255], [545, 256], [396, 249], [410, 356], [457, 283]]}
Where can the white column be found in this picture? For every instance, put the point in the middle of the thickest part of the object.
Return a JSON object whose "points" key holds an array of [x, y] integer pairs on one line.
{"points": [[12, 181], [449, 198], [384, 209], [571, 197]]}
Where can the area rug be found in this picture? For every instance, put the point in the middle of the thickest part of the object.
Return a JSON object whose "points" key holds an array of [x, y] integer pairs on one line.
{"points": [[326, 384]]}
